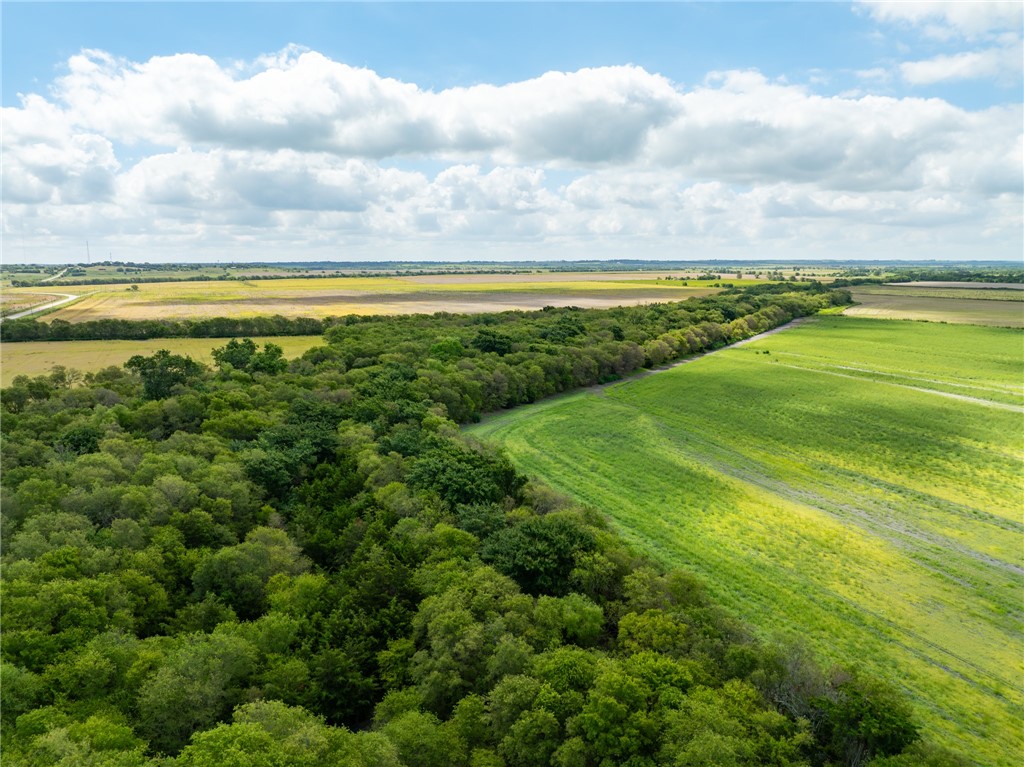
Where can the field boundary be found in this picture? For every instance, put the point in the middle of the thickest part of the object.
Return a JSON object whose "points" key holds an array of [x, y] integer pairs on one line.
{"points": [[600, 388]]}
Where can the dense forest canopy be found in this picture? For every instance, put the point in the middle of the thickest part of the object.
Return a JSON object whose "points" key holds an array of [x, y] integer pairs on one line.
{"points": [[273, 563]]}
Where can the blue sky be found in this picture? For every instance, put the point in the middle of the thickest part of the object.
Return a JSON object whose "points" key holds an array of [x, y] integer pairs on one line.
{"points": [[791, 130], [439, 45]]}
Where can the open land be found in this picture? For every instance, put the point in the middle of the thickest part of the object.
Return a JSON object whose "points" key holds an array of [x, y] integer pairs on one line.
{"points": [[973, 285], [975, 305], [853, 483], [310, 297], [39, 357], [13, 303]]}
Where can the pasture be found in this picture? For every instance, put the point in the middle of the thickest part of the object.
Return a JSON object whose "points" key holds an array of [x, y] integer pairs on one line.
{"points": [[324, 297], [37, 358], [1001, 307], [853, 484]]}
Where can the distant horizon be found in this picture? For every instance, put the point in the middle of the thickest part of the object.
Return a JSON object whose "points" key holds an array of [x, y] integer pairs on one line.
{"points": [[527, 262], [231, 132]]}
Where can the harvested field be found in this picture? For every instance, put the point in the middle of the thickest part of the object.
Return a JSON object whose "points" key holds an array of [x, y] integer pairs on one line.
{"points": [[368, 295], [969, 306], [971, 285]]}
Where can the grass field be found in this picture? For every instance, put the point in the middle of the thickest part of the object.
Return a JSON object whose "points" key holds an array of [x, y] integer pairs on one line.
{"points": [[975, 306], [369, 295], [36, 358], [857, 487]]}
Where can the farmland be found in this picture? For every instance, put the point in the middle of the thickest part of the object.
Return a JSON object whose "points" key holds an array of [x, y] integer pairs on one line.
{"points": [[1003, 307], [851, 483], [38, 358], [369, 295], [10, 303]]}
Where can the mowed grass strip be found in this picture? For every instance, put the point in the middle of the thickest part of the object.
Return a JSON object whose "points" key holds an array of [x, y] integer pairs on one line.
{"points": [[879, 523], [39, 357], [911, 305]]}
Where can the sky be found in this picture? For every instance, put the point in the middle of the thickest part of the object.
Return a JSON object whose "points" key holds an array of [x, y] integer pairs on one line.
{"points": [[511, 131]]}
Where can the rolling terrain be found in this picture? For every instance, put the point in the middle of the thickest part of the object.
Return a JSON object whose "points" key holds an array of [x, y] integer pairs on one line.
{"points": [[852, 484]]}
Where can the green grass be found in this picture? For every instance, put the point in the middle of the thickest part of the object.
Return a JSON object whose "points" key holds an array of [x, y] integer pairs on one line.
{"points": [[34, 358], [832, 491]]}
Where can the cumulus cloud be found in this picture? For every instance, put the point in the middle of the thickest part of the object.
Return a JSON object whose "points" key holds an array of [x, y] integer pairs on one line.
{"points": [[941, 19], [1004, 62], [995, 24], [299, 149]]}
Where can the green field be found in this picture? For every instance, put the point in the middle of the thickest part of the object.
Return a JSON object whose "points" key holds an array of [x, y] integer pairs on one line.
{"points": [[858, 488], [38, 357], [975, 306]]}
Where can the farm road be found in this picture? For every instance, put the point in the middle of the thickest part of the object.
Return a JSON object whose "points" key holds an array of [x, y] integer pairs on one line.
{"points": [[57, 276], [18, 315]]}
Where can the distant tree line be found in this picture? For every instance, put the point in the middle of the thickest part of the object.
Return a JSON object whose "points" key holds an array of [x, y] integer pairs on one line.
{"points": [[137, 330], [959, 275]]}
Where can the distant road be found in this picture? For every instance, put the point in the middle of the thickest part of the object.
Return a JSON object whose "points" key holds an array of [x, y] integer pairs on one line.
{"points": [[55, 277], [18, 315]]}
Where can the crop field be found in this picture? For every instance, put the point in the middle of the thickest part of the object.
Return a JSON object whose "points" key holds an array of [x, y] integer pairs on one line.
{"points": [[367, 295], [850, 483], [976, 306], [38, 357]]}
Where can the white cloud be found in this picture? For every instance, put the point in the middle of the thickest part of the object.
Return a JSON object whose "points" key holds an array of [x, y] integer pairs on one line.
{"points": [[998, 25], [284, 155], [1001, 62], [940, 19]]}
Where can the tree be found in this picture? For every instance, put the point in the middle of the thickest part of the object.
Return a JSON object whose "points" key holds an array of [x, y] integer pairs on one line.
{"points": [[863, 718], [488, 340], [236, 354], [540, 552], [196, 686], [162, 371]]}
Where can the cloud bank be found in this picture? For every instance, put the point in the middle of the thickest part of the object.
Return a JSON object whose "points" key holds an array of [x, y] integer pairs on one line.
{"points": [[297, 155]]}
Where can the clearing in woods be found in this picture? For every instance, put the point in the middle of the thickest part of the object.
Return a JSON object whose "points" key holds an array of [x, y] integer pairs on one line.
{"points": [[33, 358], [827, 488]]}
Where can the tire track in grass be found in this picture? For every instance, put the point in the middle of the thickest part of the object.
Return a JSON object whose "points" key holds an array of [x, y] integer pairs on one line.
{"points": [[951, 395], [977, 387], [876, 519]]}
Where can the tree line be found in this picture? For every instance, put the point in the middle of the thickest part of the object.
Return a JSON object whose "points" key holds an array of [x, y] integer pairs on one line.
{"points": [[289, 563]]}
